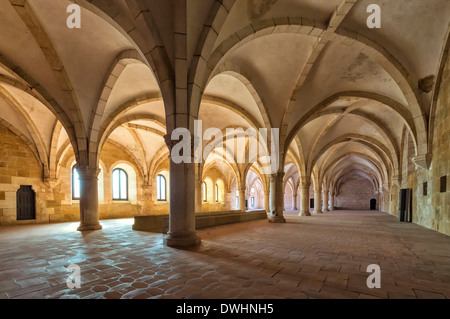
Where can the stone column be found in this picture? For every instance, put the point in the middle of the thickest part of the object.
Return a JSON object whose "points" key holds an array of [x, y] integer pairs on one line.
{"points": [[304, 198], [276, 198], [325, 201], [182, 203], [294, 200], [332, 202], [318, 201], [89, 219], [267, 201], [242, 199]]}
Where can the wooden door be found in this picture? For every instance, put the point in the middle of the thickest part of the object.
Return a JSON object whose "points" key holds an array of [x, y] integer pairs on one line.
{"points": [[26, 203]]}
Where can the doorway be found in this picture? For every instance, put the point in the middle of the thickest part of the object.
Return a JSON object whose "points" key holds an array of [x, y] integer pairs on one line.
{"points": [[26, 203], [405, 207], [373, 204]]}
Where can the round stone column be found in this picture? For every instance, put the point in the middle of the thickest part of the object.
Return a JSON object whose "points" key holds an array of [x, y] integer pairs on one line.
{"points": [[318, 202], [332, 202], [182, 206], [267, 201], [276, 198], [294, 200], [89, 218], [325, 201], [242, 199], [304, 199]]}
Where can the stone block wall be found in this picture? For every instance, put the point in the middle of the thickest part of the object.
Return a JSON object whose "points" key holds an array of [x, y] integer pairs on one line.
{"points": [[212, 177], [19, 166], [433, 210], [355, 194]]}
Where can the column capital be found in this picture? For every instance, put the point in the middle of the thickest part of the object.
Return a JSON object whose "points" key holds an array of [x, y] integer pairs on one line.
{"points": [[305, 184], [278, 175], [397, 180], [52, 182], [87, 172], [423, 161]]}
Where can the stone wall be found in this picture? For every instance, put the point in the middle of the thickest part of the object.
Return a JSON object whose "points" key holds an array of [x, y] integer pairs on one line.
{"points": [[212, 177], [433, 210], [441, 157], [355, 194], [19, 166]]}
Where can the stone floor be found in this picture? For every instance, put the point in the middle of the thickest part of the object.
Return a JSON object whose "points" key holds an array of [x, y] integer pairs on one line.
{"points": [[322, 256]]}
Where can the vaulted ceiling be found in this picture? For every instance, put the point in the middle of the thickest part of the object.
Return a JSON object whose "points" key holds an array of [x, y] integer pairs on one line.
{"points": [[342, 95]]}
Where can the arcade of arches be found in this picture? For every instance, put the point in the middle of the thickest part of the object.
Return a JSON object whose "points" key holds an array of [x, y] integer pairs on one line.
{"points": [[362, 113]]}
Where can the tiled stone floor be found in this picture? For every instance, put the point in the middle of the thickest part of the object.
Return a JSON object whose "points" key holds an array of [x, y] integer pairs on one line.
{"points": [[322, 256]]}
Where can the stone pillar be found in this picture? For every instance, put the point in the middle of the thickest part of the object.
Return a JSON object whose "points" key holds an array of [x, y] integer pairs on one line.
{"points": [[304, 198], [325, 201], [267, 201], [318, 201], [89, 219], [242, 199], [332, 202], [294, 200], [182, 204], [276, 198]]}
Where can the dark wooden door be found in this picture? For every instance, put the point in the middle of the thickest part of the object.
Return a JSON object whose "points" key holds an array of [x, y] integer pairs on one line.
{"points": [[26, 203], [405, 205]]}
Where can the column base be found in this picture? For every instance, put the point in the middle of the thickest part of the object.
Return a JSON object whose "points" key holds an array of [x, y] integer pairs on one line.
{"points": [[182, 240], [318, 212], [304, 214], [89, 227], [277, 219]]}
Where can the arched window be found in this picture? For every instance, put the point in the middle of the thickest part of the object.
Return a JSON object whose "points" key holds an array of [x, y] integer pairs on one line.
{"points": [[217, 193], [76, 185], [161, 188], [237, 199], [120, 184], [205, 198]]}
